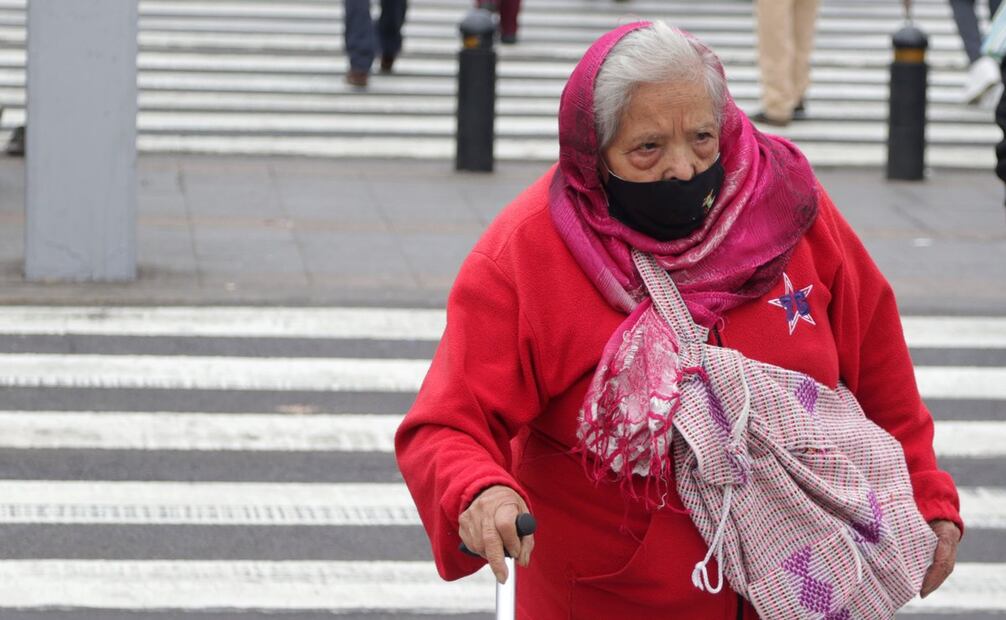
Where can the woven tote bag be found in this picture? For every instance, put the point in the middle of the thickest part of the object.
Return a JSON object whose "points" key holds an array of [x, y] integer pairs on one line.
{"points": [[805, 503]]}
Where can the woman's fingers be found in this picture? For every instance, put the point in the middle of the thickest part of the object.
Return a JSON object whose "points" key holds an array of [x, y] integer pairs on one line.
{"points": [[470, 532], [493, 549], [939, 571], [505, 519], [488, 527], [526, 546], [944, 558]]}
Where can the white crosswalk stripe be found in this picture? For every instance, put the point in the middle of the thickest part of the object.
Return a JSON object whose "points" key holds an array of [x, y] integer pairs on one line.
{"points": [[253, 77], [205, 503], [345, 374], [336, 586], [375, 323], [975, 586], [162, 499], [211, 373], [356, 586], [217, 503], [372, 323], [194, 586], [166, 430], [346, 432]]}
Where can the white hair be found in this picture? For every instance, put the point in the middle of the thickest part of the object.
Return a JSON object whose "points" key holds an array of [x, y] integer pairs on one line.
{"points": [[651, 55]]}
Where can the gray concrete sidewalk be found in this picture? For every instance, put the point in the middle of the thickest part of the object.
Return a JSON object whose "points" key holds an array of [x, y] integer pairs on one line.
{"points": [[226, 230]]}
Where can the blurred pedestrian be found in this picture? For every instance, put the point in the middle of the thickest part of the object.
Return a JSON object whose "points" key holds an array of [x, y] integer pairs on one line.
{"points": [[785, 42], [364, 40], [508, 10], [983, 74], [994, 48], [1001, 121]]}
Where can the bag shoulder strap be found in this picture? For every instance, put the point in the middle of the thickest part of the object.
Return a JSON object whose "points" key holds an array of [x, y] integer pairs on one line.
{"points": [[667, 299]]}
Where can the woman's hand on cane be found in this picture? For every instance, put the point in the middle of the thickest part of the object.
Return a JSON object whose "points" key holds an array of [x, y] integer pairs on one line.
{"points": [[487, 527], [948, 536]]}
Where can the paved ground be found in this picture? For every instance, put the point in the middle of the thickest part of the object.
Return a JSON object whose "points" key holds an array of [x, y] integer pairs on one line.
{"points": [[255, 230]]}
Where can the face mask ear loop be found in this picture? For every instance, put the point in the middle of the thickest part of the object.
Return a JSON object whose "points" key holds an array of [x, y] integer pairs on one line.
{"points": [[606, 167]]}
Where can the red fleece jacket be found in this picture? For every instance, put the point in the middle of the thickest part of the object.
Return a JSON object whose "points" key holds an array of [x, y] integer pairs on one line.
{"points": [[525, 330]]}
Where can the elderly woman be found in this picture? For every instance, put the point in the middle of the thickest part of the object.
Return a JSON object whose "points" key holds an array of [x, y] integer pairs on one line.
{"points": [[655, 159]]}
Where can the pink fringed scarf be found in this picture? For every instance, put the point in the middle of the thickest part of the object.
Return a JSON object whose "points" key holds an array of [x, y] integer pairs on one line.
{"points": [[768, 201]]}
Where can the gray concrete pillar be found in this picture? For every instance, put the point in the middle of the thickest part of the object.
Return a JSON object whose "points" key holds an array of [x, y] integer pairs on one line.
{"points": [[80, 166]]}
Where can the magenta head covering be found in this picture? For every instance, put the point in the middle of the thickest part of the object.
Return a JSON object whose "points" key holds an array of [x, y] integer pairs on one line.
{"points": [[768, 201]]}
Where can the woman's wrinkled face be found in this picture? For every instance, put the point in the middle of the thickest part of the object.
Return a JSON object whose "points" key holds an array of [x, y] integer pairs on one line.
{"points": [[668, 131]]}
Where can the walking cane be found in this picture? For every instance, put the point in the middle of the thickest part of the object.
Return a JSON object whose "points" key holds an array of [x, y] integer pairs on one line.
{"points": [[506, 593]]}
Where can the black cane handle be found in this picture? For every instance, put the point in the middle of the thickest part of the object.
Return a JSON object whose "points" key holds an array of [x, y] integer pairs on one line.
{"points": [[525, 525]]}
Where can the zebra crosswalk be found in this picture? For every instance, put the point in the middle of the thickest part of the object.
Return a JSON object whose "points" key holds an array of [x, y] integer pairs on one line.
{"points": [[265, 77], [235, 462]]}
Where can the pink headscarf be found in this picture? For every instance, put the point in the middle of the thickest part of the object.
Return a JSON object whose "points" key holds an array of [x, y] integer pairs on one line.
{"points": [[767, 202]]}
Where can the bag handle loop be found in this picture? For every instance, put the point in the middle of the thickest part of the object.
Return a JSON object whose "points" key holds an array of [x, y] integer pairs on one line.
{"points": [[667, 299]]}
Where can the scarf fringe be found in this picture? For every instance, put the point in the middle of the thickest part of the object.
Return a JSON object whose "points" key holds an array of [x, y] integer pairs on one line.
{"points": [[603, 463]]}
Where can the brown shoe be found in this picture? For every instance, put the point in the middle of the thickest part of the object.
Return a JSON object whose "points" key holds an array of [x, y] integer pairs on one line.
{"points": [[800, 111], [357, 78], [16, 144], [386, 63]]}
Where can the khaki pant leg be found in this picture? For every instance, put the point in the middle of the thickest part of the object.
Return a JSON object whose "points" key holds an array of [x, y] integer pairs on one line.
{"points": [[775, 57], [804, 24]]}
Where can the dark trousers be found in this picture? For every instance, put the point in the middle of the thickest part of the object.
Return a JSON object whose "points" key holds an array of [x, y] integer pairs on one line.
{"points": [[508, 10], [967, 25], [363, 39]]}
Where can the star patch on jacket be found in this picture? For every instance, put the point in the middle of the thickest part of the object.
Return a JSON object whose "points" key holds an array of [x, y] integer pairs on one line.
{"points": [[795, 303]]}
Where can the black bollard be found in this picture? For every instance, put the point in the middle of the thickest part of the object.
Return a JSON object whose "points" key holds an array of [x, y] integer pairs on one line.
{"points": [[476, 92], [906, 123]]}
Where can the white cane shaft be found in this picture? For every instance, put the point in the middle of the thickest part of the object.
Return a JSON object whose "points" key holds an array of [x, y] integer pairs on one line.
{"points": [[506, 594]]}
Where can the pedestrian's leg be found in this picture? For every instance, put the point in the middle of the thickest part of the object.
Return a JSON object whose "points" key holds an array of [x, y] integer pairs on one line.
{"points": [[359, 34], [967, 26], [389, 30], [508, 20], [804, 25], [983, 74], [1001, 121], [775, 58], [993, 7]]}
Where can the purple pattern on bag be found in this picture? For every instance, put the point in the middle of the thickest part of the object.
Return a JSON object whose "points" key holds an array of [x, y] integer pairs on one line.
{"points": [[815, 594], [716, 410], [806, 393], [734, 450], [870, 532]]}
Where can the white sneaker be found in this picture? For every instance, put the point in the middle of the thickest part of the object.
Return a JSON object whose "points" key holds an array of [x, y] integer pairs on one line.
{"points": [[990, 100], [983, 75]]}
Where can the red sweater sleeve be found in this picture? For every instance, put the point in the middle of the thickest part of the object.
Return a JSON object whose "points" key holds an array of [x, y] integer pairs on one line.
{"points": [[481, 388], [875, 364]]}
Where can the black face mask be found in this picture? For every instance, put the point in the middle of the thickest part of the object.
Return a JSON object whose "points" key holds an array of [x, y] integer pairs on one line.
{"points": [[665, 210]]}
